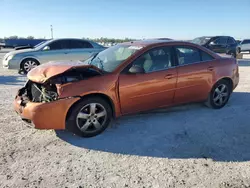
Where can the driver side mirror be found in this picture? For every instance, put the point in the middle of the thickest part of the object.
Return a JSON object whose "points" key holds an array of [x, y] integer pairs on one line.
{"points": [[136, 70], [46, 48], [212, 43]]}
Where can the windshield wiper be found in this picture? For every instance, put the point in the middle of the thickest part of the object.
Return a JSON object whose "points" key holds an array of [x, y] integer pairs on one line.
{"points": [[94, 56]]}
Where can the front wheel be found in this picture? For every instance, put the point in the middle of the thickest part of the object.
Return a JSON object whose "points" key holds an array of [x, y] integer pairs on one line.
{"points": [[219, 95], [28, 64], [89, 117]]}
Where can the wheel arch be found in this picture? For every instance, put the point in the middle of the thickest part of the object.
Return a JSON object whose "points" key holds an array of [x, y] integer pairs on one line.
{"points": [[100, 95], [228, 79], [28, 57]]}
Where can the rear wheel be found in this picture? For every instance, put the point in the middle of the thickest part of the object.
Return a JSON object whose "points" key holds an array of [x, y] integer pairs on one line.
{"points": [[89, 117], [28, 64], [219, 95]]}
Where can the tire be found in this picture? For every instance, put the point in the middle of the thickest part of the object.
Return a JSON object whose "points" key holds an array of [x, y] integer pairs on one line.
{"points": [[83, 115], [28, 64], [216, 93]]}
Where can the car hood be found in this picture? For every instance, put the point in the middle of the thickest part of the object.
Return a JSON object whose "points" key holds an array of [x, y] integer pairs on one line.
{"points": [[45, 71], [15, 52]]}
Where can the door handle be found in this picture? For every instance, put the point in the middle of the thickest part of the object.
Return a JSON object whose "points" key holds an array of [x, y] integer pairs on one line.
{"points": [[169, 76], [210, 68]]}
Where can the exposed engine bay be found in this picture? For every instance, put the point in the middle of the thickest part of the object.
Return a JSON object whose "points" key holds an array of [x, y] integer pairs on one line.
{"points": [[47, 92]]}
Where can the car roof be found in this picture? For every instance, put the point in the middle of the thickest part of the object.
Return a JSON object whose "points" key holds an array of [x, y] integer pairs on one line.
{"points": [[68, 39], [214, 36], [150, 42]]}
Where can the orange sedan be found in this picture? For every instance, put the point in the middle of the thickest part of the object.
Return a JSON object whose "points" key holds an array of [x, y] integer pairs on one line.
{"points": [[127, 78]]}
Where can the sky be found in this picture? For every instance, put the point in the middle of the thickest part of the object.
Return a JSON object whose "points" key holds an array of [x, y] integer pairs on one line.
{"points": [[177, 19]]}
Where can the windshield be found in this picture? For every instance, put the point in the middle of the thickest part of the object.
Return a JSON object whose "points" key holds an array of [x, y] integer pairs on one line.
{"points": [[42, 45], [39, 44], [201, 40], [109, 59]]}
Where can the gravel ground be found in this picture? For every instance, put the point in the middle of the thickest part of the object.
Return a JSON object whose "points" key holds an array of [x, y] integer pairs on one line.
{"points": [[188, 146]]}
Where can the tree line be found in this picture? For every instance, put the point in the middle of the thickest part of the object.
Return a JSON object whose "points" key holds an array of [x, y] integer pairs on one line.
{"points": [[110, 40], [102, 39]]}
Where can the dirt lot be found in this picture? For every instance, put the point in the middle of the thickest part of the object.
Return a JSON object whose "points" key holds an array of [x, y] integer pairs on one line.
{"points": [[188, 146]]}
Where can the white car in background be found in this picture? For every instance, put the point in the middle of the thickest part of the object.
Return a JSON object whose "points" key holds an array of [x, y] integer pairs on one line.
{"points": [[51, 50], [244, 46]]}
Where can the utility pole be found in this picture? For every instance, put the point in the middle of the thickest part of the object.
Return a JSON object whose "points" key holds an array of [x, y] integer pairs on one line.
{"points": [[51, 30]]}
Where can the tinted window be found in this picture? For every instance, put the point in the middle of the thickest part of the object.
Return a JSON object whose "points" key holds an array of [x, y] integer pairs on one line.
{"points": [[187, 55], [201, 40], [231, 41], [60, 44], [80, 44], [220, 41], [205, 56], [245, 41], [155, 60]]}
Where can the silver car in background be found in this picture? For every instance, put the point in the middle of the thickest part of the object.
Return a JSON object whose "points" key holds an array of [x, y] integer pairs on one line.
{"points": [[244, 46], [51, 50]]}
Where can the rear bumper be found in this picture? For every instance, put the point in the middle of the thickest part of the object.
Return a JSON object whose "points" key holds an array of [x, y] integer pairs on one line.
{"points": [[51, 115]]}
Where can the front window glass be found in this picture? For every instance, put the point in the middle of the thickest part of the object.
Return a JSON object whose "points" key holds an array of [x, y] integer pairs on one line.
{"points": [[155, 60], [220, 41], [109, 59]]}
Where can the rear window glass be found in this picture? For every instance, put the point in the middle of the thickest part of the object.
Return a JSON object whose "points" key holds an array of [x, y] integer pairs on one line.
{"points": [[205, 56]]}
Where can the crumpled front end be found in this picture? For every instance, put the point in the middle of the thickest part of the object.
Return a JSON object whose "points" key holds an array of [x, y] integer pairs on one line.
{"points": [[41, 104], [40, 108]]}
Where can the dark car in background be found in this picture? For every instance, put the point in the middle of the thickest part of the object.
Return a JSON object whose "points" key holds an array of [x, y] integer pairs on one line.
{"points": [[218, 44], [244, 46], [28, 43]]}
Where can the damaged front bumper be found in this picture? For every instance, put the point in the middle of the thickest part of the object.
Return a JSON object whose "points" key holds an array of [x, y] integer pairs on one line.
{"points": [[43, 115]]}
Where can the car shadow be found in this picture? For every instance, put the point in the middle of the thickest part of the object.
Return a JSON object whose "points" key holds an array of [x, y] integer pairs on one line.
{"points": [[13, 80], [189, 131]]}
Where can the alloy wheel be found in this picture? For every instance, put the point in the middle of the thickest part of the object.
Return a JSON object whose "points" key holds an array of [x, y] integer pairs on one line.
{"points": [[28, 65], [91, 118], [221, 94]]}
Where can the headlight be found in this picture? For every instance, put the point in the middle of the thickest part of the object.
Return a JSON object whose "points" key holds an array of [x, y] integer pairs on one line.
{"points": [[9, 57]]}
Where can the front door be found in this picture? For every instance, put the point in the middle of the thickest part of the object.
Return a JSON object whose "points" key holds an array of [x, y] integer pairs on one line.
{"points": [[58, 50], [152, 89], [219, 45]]}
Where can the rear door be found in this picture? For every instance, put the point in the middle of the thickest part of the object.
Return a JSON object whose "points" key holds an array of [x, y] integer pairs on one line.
{"points": [[231, 45], [81, 50], [195, 73], [152, 89]]}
